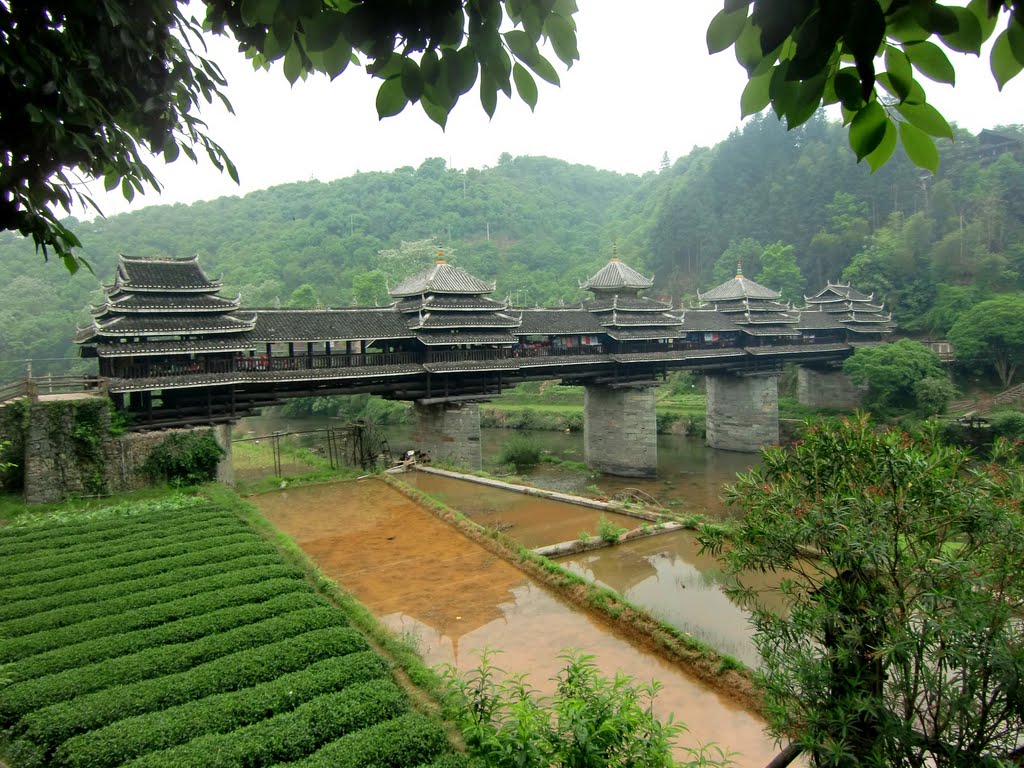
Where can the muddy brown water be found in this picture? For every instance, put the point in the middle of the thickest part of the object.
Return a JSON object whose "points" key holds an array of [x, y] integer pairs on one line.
{"points": [[531, 521], [427, 581], [670, 577]]}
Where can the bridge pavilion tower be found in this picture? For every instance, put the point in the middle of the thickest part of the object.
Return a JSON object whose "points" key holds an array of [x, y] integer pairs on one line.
{"points": [[462, 329], [743, 408], [620, 429], [838, 312]]}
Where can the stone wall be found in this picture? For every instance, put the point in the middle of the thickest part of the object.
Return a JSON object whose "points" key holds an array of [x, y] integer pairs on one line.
{"points": [[828, 389], [620, 430], [742, 412], [68, 451], [449, 433]]}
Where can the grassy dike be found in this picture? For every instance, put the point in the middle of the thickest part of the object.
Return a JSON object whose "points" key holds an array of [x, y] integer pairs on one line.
{"points": [[724, 673]]}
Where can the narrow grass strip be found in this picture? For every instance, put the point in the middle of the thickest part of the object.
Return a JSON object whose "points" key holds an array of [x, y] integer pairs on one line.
{"points": [[216, 714]]}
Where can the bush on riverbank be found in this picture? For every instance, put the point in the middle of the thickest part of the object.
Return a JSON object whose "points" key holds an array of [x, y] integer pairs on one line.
{"points": [[521, 452]]}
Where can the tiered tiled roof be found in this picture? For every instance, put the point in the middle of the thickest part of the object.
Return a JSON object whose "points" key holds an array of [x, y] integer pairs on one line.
{"points": [[621, 312], [616, 277], [445, 305], [752, 307], [847, 308], [441, 278], [164, 300]]}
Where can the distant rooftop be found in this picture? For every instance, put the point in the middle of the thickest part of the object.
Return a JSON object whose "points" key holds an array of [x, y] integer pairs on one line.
{"points": [[738, 287], [441, 278], [615, 275], [150, 274]]}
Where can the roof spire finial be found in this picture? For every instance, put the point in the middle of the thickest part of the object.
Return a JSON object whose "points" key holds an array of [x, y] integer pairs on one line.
{"points": [[615, 250], [440, 256], [739, 267]]}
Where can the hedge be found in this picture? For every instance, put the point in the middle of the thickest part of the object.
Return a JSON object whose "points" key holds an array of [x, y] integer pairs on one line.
{"points": [[21, 698], [48, 602], [454, 760], [180, 631], [247, 544], [408, 740], [290, 736], [72, 614], [128, 542], [157, 559], [251, 585], [220, 713], [56, 723], [81, 526]]}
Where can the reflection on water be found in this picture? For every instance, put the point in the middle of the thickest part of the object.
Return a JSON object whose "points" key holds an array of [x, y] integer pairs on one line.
{"points": [[425, 579], [668, 576], [529, 520]]}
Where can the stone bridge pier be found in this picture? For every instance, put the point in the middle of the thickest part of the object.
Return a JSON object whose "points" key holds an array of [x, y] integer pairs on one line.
{"points": [[742, 411], [448, 432], [828, 388], [620, 429]]}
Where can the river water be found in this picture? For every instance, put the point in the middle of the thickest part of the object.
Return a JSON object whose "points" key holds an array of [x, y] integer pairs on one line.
{"points": [[426, 581], [690, 475]]}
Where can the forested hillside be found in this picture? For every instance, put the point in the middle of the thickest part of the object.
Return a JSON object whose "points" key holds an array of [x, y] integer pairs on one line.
{"points": [[793, 205]]}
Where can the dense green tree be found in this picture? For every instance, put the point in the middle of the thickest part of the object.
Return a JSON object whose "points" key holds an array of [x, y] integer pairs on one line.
{"points": [[900, 645], [746, 253], [370, 289], [780, 272], [304, 296], [992, 334], [891, 372]]}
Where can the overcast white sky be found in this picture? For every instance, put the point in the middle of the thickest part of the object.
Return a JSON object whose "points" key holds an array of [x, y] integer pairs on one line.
{"points": [[645, 85]]}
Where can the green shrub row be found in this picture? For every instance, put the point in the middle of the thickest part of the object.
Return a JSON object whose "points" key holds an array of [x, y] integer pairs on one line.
{"points": [[21, 698], [127, 543], [64, 535], [408, 740], [72, 614], [288, 737], [454, 760], [219, 713], [77, 526], [157, 559], [50, 726], [238, 588], [46, 601], [181, 631]]}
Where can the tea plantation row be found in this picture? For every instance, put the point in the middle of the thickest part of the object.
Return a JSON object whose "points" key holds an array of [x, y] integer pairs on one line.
{"points": [[170, 633]]}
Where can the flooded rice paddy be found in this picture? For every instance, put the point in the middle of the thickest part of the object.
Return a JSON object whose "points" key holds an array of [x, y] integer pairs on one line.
{"points": [[531, 521], [427, 581]]}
